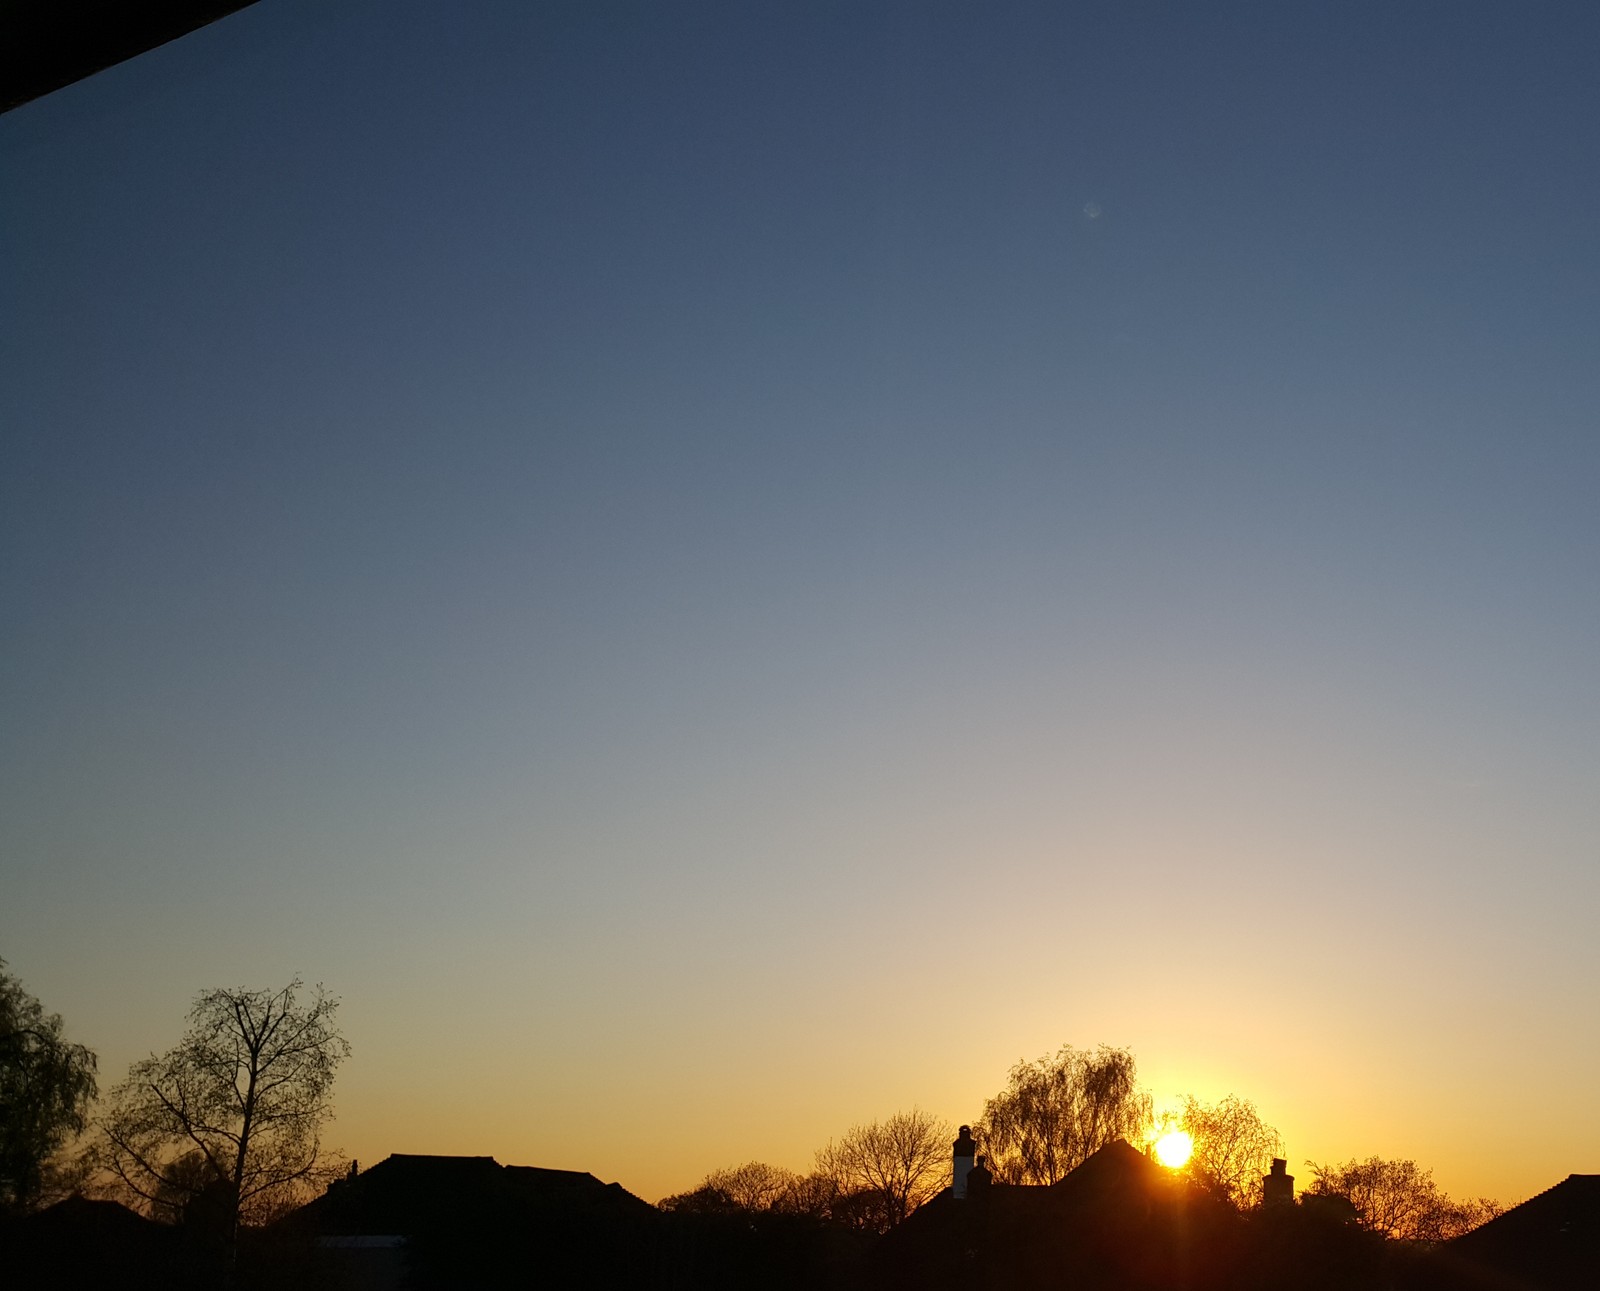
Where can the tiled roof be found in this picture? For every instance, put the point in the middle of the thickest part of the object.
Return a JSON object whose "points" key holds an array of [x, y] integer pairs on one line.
{"points": [[1551, 1240]]}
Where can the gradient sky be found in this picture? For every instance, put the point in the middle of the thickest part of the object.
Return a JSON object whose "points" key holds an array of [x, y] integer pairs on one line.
{"points": [[721, 570]]}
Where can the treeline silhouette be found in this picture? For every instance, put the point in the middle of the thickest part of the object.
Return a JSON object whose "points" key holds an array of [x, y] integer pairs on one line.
{"points": [[206, 1167], [1053, 1115]]}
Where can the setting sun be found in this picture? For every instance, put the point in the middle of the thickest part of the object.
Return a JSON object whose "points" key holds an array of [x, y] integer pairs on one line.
{"points": [[1173, 1149]]}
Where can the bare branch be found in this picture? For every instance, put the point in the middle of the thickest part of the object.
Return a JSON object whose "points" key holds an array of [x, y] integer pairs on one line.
{"points": [[238, 1105]]}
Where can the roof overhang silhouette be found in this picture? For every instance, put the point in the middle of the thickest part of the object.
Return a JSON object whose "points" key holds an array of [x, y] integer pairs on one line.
{"points": [[49, 44]]}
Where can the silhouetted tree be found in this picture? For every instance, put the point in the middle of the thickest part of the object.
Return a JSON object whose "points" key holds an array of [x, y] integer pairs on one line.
{"points": [[1058, 1111], [182, 1180], [1397, 1199], [227, 1125], [885, 1170], [1233, 1147], [46, 1088], [759, 1225], [811, 1194], [757, 1188], [754, 1186]]}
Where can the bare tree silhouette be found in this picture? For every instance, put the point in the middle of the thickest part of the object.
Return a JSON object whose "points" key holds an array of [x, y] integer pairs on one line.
{"points": [[227, 1125], [1399, 1199], [887, 1169]]}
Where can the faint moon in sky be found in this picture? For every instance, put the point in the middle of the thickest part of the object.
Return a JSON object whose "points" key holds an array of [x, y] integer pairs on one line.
{"points": [[1092, 210]]}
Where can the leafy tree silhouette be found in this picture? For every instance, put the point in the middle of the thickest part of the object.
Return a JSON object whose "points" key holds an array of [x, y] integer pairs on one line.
{"points": [[1056, 1112], [47, 1085]]}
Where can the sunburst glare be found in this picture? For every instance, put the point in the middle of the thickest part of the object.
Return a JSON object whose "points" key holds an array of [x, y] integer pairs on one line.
{"points": [[1174, 1148]]}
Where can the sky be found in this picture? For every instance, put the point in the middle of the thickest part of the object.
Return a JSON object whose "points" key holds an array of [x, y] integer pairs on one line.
{"points": [[721, 570]]}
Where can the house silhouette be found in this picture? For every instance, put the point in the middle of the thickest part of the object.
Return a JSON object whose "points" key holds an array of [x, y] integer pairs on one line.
{"points": [[1551, 1242], [426, 1221], [1118, 1220], [81, 1242]]}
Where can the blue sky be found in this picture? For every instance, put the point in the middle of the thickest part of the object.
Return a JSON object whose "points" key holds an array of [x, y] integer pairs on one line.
{"points": [[669, 553]]}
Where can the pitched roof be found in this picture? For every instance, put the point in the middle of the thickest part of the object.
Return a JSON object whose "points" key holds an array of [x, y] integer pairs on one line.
{"points": [[83, 1217], [470, 1221], [1118, 1168], [533, 1176], [52, 43], [404, 1194], [1111, 1222], [1115, 1170], [1552, 1240], [79, 1242]]}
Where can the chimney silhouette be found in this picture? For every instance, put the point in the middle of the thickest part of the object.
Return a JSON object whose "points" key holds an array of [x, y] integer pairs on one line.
{"points": [[1277, 1188], [964, 1149]]}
